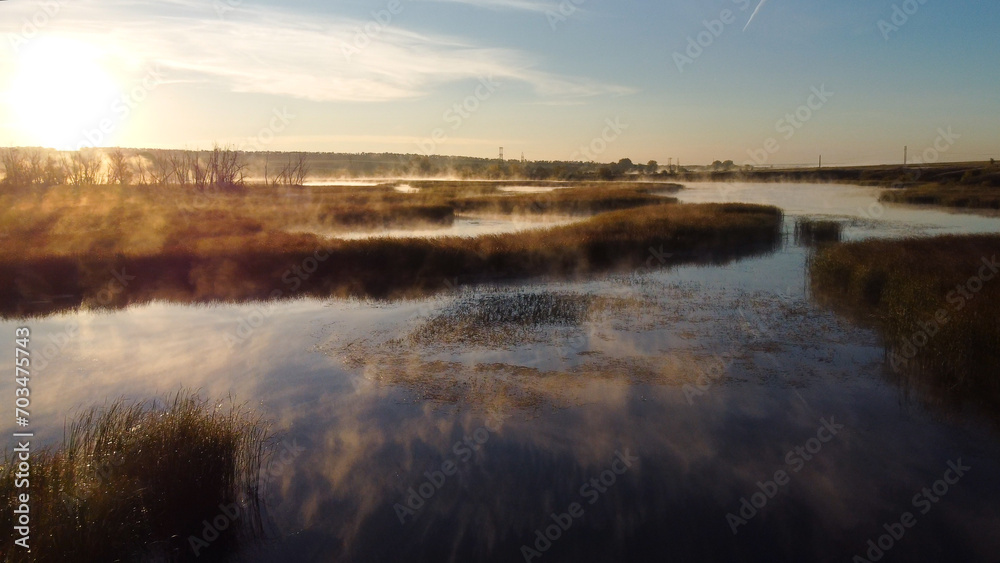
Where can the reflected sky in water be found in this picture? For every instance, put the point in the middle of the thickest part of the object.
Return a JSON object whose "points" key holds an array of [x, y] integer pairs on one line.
{"points": [[462, 226], [709, 375]]}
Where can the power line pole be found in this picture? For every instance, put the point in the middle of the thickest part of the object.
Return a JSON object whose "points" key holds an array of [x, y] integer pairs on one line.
{"points": [[821, 161], [905, 150], [501, 154]]}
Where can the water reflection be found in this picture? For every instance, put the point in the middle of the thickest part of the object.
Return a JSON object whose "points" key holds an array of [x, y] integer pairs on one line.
{"points": [[710, 374], [695, 464], [463, 226], [866, 216]]}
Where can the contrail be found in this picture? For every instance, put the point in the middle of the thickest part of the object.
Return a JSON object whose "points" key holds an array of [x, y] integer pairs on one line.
{"points": [[754, 14]]}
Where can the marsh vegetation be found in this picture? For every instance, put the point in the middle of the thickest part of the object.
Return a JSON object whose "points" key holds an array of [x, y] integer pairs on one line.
{"points": [[814, 232], [136, 480], [935, 301], [179, 244], [964, 194], [685, 328]]}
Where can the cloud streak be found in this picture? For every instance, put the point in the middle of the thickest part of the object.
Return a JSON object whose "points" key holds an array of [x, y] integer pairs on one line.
{"points": [[754, 14], [282, 53], [517, 5]]}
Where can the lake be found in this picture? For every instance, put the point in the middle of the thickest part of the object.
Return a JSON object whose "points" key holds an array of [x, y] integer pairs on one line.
{"points": [[692, 413]]}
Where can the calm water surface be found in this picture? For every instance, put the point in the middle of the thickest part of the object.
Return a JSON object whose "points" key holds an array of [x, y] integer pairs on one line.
{"points": [[729, 417]]}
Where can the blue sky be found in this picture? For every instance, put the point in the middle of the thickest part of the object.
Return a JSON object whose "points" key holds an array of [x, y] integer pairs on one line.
{"points": [[540, 77]]}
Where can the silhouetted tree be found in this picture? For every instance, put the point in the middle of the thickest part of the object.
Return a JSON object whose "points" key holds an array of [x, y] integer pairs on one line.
{"points": [[119, 168], [85, 168]]}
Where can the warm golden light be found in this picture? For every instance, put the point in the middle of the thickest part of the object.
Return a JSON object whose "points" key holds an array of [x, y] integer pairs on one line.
{"points": [[60, 92]]}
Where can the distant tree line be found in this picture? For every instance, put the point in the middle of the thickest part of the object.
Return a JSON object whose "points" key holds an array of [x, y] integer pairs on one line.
{"points": [[221, 167], [229, 168]]}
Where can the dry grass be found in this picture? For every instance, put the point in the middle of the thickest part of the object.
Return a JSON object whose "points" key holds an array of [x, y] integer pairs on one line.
{"points": [[899, 286], [261, 265], [814, 232], [982, 196], [137, 479], [76, 221]]}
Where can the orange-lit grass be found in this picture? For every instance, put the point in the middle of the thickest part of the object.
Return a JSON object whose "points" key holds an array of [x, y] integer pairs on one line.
{"points": [[266, 265]]}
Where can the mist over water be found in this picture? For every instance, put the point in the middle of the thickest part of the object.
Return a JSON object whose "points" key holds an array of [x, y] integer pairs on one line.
{"points": [[714, 377]]}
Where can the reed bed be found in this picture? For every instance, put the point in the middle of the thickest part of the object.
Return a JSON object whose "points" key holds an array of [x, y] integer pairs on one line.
{"points": [[813, 232], [265, 265], [983, 196], [74, 220], [136, 480], [935, 301]]}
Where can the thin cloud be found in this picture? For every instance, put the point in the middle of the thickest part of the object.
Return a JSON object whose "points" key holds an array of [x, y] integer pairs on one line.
{"points": [[270, 51], [519, 5], [754, 14]]}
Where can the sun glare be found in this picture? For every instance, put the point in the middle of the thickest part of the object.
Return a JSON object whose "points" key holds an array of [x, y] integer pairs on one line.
{"points": [[60, 91]]}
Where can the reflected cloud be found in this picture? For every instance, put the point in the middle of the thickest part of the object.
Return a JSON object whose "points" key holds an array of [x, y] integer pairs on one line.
{"points": [[364, 448], [694, 466]]}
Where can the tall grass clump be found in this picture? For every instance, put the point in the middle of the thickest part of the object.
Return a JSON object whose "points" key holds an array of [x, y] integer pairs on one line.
{"points": [[964, 195], [935, 301], [135, 480], [812, 232]]}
